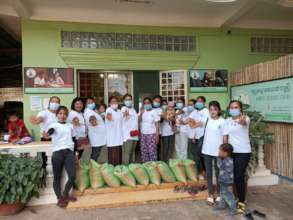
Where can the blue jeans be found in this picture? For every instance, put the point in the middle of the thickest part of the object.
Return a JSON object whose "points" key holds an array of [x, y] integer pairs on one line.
{"points": [[227, 197]]}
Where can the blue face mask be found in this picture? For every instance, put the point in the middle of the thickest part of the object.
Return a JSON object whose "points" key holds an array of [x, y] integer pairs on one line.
{"points": [[234, 112], [156, 104], [199, 105], [179, 105], [91, 106], [190, 108], [147, 107], [53, 106], [128, 103]]}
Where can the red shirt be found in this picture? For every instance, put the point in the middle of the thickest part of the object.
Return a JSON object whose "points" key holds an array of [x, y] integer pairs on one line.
{"points": [[17, 130]]}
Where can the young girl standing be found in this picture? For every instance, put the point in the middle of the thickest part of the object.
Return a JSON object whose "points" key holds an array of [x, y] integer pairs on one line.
{"points": [[149, 127], [63, 155], [114, 119], [213, 138]]}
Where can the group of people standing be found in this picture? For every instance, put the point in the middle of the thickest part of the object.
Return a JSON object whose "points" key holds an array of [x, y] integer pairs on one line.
{"points": [[195, 131]]}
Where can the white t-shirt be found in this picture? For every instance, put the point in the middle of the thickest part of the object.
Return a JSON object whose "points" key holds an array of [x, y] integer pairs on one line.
{"points": [[202, 116], [80, 130], [62, 136], [148, 122], [96, 134], [238, 135], [48, 118], [114, 128], [214, 135], [129, 123], [183, 117], [166, 128], [39, 81]]}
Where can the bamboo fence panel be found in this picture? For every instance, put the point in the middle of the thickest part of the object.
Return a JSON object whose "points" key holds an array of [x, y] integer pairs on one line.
{"points": [[279, 155]]}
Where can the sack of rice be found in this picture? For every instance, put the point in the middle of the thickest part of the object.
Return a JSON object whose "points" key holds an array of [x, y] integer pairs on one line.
{"points": [[107, 171], [153, 172], [165, 172], [124, 175], [139, 172], [190, 169], [82, 179], [96, 178], [177, 168]]}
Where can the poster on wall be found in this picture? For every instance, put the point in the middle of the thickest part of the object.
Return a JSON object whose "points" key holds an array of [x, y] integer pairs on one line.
{"points": [[274, 99], [48, 80], [208, 80]]}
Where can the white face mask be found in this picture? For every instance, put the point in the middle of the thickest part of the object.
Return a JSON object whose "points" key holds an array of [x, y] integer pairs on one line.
{"points": [[53, 106], [114, 106]]}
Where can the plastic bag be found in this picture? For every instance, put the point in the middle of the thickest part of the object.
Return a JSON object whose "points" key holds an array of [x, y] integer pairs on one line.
{"points": [[177, 168], [96, 178], [107, 171], [165, 172], [140, 174], [124, 175], [190, 169], [153, 172], [82, 179]]}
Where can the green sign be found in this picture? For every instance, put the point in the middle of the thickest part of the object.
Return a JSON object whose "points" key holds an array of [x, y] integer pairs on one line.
{"points": [[274, 99]]}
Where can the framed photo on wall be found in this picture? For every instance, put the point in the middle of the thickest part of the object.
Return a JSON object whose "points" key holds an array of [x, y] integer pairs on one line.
{"points": [[48, 80], [208, 80]]}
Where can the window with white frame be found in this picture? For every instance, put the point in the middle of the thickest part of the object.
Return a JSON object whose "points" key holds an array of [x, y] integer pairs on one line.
{"points": [[173, 84]]}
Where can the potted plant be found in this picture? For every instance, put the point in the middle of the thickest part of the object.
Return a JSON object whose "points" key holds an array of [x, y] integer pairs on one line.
{"points": [[20, 180]]}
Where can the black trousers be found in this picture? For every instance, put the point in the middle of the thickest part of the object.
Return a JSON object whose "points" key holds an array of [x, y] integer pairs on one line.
{"points": [[241, 161], [209, 161], [96, 153], [194, 153], [59, 159], [168, 143]]}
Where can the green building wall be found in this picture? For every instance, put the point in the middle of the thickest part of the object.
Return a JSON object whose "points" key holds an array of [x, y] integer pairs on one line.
{"points": [[41, 47]]}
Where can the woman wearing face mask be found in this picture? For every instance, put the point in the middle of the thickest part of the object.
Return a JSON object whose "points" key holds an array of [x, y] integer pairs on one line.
{"points": [[158, 109], [96, 128], [114, 130], [213, 137], [237, 127], [149, 127], [46, 117], [200, 115], [130, 130], [197, 122], [181, 137], [76, 118]]}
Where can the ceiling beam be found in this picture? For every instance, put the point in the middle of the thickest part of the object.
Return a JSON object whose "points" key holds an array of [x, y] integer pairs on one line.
{"points": [[236, 14], [21, 9]]}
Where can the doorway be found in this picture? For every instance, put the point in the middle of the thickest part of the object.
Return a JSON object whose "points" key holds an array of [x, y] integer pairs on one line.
{"points": [[103, 84]]}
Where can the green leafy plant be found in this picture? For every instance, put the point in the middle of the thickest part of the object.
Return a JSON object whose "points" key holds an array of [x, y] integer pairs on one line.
{"points": [[20, 178], [257, 132]]}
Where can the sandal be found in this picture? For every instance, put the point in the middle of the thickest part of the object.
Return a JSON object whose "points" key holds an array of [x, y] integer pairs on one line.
{"points": [[62, 203], [210, 201]]}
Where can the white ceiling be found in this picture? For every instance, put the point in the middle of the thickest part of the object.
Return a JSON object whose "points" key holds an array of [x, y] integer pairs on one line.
{"points": [[267, 14]]}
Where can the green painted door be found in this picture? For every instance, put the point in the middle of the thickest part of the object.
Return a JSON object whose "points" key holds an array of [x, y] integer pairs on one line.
{"points": [[145, 83]]}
